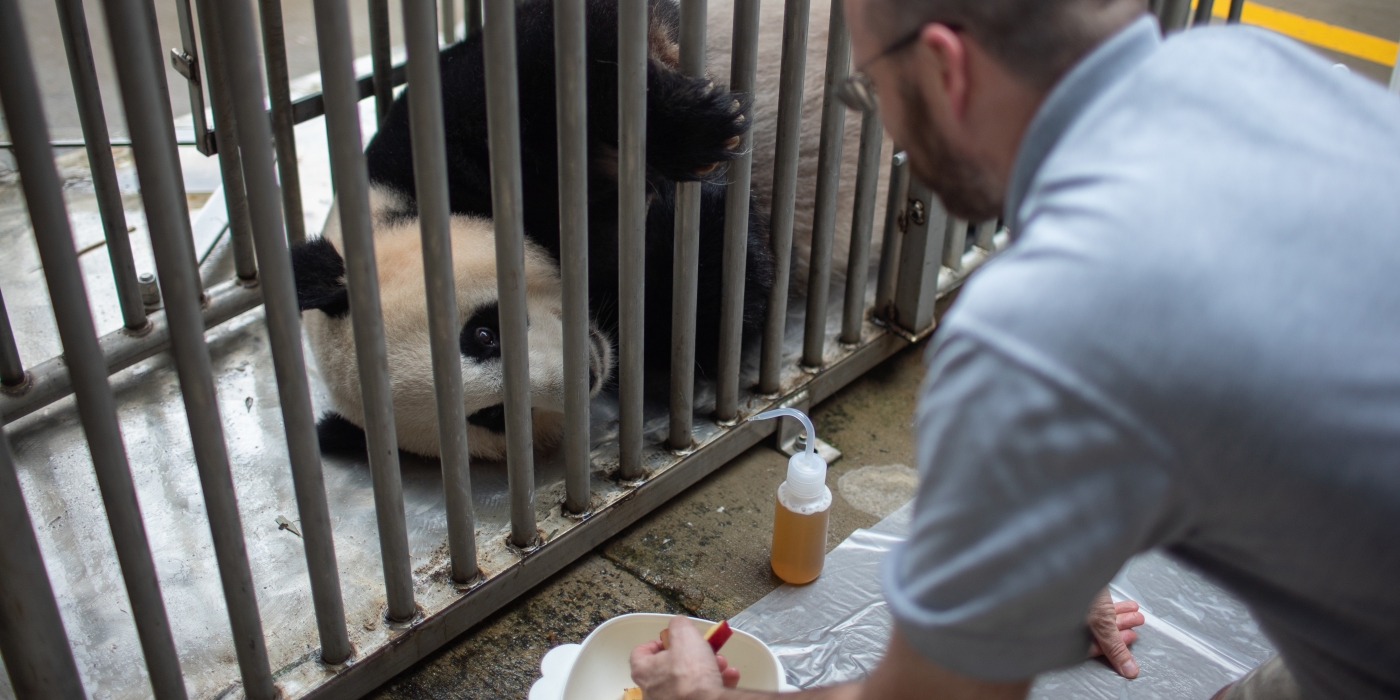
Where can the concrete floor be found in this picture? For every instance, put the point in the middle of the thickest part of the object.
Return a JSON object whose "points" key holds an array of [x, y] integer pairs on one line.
{"points": [[704, 553]]}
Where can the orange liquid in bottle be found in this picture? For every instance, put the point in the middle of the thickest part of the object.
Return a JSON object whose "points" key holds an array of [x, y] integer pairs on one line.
{"points": [[799, 544]]}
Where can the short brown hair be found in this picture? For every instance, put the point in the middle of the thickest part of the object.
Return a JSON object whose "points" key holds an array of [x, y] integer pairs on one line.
{"points": [[1040, 40]]}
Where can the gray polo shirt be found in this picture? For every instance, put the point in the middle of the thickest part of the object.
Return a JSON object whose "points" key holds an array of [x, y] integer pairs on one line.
{"points": [[1194, 344]]}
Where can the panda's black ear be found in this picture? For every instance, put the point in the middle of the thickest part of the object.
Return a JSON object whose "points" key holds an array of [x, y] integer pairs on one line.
{"points": [[320, 273]]}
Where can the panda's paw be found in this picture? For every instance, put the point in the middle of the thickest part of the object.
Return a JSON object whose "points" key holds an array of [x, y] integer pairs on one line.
{"points": [[692, 126]]}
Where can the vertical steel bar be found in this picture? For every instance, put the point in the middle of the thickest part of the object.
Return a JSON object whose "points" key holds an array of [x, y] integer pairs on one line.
{"points": [[435, 221], [795, 13], [896, 221], [1395, 75], [163, 195], [631, 227], [743, 72], [1236, 11], [449, 22], [73, 22], [186, 62], [11, 367], [352, 195], [280, 93], [240, 226], [24, 115], [954, 244], [920, 255], [862, 226], [1175, 15], [1204, 9], [473, 16], [686, 252], [381, 57], [984, 237], [503, 126], [238, 43], [838, 63], [32, 639], [571, 95]]}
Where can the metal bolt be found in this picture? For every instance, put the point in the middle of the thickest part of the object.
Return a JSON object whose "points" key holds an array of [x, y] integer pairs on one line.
{"points": [[150, 290]]}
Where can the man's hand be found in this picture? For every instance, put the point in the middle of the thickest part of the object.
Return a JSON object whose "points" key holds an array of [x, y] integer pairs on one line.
{"points": [[688, 670], [1112, 626]]}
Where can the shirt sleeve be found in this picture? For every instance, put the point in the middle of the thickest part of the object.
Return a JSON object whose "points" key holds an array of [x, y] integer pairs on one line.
{"points": [[1032, 495]]}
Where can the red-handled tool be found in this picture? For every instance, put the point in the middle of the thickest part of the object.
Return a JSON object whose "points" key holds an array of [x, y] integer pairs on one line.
{"points": [[717, 635]]}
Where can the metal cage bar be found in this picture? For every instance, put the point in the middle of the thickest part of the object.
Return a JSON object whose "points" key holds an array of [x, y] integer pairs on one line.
{"points": [[72, 21], [11, 368], [240, 227], [1204, 9], [280, 97], [985, 234], [1175, 16], [185, 60], [24, 116], [163, 195], [1395, 75], [955, 244], [920, 254], [474, 16], [872, 136], [631, 228], [686, 253], [283, 318], [381, 58], [449, 22], [795, 16], [896, 221], [833, 130], [435, 222], [1236, 11], [362, 279], [32, 639], [743, 73], [571, 96], [503, 125]]}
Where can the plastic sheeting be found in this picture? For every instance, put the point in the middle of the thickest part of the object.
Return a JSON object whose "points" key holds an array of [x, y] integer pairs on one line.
{"points": [[1196, 639]]}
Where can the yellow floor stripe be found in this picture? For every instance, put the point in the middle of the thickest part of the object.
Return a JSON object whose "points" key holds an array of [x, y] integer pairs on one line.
{"points": [[1311, 31]]}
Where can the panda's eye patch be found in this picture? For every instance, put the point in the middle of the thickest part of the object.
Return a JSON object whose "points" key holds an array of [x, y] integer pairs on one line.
{"points": [[480, 338]]}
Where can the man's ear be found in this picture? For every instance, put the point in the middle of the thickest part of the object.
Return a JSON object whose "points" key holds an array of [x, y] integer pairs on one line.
{"points": [[949, 49], [320, 275]]}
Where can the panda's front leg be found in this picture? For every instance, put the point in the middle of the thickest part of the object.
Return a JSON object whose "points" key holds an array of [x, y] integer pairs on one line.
{"points": [[692, 126]]}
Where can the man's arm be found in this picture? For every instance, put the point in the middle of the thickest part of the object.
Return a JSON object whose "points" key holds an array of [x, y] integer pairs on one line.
{"points": [[688, 671]]}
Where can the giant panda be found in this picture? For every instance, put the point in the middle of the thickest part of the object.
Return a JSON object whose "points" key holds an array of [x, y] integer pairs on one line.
{"points": [[692, 126]]}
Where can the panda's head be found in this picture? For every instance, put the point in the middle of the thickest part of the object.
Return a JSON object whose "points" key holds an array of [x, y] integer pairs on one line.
{"points": [[321, 291]]}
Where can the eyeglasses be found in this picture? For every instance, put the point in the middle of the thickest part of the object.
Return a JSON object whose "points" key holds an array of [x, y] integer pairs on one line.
{"points": [[857, 91]]}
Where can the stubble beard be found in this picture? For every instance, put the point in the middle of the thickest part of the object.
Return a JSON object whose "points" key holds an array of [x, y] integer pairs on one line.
{"points": [[966, 190]]}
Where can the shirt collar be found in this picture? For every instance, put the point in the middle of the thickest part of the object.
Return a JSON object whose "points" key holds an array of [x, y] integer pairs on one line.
{"points": [[1089, 78]]}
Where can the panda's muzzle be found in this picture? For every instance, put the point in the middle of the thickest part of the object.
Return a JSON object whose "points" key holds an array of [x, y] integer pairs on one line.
{"points": [[492, 418]]}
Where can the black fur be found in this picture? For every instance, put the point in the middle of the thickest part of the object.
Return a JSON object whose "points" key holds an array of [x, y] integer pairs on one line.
{"points": [[320, 275], [481, 334], [689, 129], [492, 418], [339, 436]]}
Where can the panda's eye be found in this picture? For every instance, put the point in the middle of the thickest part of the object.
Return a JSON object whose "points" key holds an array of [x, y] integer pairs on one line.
{"points": [[486, 337]]}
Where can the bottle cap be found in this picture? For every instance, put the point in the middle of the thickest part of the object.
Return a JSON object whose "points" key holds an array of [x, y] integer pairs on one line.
{"points": [[806, 473]]}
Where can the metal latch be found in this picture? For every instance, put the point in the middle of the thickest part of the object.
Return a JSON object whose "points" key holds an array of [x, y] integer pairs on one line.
{"points": [[185, 65]]}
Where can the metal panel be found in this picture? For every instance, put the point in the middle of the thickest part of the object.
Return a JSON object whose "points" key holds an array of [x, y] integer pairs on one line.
{"points": [[503, 125], [838, 63], [81, 68], [920, 254], [631, 228], [352, 196], [686, 253], [237, 42], [280, 94], [571, 96], [862, 226], [743, 73], [32, 639], [96, 406], [434, 219], [896, 221], [795, 15]]}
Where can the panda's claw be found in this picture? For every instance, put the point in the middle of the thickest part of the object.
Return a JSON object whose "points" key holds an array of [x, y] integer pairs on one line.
{"points": [[706, 169], [733, 143]]}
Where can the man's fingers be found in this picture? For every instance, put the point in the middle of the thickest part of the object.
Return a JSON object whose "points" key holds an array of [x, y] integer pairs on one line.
{"points": [[1129, 620], [1129, 636], [730, 677], [1116, 651], [1125, 606]]}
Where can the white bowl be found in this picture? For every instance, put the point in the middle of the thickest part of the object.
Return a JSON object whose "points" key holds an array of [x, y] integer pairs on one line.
{"points": [[601, 670]]}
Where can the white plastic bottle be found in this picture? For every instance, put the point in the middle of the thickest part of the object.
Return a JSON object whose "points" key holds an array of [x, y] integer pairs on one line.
{"points": [[804, 504]]}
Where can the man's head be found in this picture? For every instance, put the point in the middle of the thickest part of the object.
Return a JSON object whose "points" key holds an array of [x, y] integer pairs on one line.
{"points": [[959, 80]]}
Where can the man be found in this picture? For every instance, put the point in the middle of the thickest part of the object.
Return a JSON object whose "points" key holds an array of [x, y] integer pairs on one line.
{"points": [[1194, 344]]}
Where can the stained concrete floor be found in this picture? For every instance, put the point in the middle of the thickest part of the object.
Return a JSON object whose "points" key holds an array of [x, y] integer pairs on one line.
{"points": [[704, 553]]}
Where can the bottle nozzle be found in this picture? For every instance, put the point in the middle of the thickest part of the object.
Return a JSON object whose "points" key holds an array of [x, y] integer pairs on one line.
{"points": [[806, 475], [810, 437]]}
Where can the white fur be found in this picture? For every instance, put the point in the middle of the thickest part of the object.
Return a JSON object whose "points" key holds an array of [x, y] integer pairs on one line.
{"points": [[720, 33], [399, 257]]}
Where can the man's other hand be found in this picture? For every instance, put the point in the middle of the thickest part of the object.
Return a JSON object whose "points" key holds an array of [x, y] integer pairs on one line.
{"points": [[688, 670], [1112, 626]]}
